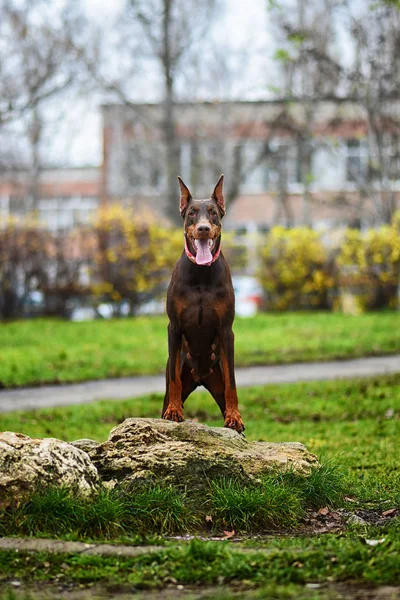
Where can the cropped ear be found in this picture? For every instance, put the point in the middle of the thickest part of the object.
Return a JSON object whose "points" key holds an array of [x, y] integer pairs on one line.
{"points": [[218, 194], [185, 196]]}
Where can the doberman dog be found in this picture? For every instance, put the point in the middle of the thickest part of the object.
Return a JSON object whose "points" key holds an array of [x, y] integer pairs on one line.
{"points": [[201, 310]]}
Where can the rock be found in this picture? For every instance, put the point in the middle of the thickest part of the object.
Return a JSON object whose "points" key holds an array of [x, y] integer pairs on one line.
{"points": [[26, 463], [356, 520], [189, 453]]}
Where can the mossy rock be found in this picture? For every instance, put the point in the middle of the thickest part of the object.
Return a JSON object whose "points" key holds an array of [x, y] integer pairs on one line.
{"points": [[189, 454]]}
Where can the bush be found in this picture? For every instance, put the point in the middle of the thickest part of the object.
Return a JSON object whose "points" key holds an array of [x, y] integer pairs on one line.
{"points": [[369, 266], [296, 271], [135, 255], [33, 259]]}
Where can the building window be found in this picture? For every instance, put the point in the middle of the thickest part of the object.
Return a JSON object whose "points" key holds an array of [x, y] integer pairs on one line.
{"points": [[294, 166], [144, 167], [65, 213], [254, 168], [286, 163], [394, 157], [356, 160]]}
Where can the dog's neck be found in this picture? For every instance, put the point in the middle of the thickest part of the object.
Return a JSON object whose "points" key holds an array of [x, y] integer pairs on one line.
{"points": [[192, 257]]}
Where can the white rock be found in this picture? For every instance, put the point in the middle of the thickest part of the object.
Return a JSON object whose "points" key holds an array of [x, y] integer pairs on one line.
{"points": [[27, 464]]}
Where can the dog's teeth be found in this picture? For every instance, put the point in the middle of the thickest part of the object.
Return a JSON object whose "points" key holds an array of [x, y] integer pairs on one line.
{"points": [[210, 243], [196, 244]]}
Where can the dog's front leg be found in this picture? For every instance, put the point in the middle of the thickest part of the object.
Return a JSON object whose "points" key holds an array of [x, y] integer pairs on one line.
{"points": [[173, 410], [233, 419]]}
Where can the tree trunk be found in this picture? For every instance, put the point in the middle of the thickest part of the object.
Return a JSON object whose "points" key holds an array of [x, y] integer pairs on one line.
{"points": [[171, 142]]}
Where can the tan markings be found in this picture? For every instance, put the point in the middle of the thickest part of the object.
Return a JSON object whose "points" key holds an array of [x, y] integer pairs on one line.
{"points": [[180, 305], [174, 408], [220, 309], [231, 398], [190, 231], [233, 418], [215, 230]]}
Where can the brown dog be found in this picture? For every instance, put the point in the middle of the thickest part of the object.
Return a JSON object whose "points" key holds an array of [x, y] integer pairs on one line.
{"points": [[201, 309]]}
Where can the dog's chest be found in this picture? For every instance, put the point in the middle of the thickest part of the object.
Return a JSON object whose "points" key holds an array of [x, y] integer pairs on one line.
{"points": [[202, 308]]}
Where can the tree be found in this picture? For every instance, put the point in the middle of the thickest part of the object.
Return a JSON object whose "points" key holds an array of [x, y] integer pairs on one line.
{"points": [[304, 32], [361, 64], [160, 36], [35, 260], [38, 63]]}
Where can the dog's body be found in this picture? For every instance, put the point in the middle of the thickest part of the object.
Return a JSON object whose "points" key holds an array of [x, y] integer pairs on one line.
{"points": [[201, 309]]}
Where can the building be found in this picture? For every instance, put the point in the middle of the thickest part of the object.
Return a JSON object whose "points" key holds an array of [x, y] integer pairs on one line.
{"points": [[285, 162], [67, 196], [288, 162]]}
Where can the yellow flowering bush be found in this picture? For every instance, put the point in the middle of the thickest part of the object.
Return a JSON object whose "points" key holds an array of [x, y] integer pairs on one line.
{"points": [[369, 265], [134, 255], [295, 269], [234, 251]]}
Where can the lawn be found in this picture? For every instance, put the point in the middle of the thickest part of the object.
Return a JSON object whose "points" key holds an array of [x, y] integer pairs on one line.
{"points": [[50, 350], [353, 425]]}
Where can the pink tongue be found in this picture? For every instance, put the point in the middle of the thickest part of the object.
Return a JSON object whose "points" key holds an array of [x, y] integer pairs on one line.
{"points": [[203, 254]]}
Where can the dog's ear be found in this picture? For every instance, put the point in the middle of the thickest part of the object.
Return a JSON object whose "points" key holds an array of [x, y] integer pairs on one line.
{"points": [[185, 196], [218, 195]]}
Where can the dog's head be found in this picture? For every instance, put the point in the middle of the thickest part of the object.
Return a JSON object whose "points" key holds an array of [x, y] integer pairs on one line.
{"points": [[202, 221]]}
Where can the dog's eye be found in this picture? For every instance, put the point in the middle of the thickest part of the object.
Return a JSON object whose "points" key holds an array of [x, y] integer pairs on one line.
{"points": [[192, 213], [213, 213]]}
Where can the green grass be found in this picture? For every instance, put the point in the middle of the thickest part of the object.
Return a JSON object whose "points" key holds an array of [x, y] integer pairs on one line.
{"points": [[278, 502], [325, 559], [50, 350], [54, 512], [353, 425], [355, 422]]}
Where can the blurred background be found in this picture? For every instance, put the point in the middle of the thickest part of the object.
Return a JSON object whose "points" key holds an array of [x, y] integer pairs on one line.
{"points": [[102, 105]]}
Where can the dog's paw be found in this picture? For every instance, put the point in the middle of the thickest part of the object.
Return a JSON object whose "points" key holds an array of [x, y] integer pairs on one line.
{"points": [[234, 421], [173, 414]]}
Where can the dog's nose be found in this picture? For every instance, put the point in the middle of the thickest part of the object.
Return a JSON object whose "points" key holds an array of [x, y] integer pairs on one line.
{"points": [[203, 228]]}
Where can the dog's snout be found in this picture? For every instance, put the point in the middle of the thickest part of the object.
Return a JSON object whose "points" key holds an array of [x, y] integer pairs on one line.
{"points": [[203, 228]]}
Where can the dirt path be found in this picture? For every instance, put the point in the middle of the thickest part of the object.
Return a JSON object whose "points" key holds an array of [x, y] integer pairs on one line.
{"points": [[130, 387], [64, 547]]}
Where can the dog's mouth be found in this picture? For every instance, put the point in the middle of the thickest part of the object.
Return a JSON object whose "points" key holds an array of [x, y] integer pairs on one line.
{"points": [[204, 248]]}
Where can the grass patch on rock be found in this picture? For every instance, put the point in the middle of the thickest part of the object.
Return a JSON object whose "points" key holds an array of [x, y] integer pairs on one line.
{"points": [[277, 502], [280, 501]]}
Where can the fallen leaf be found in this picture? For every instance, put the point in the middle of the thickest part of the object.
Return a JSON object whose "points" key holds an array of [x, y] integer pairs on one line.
{"points": [[229, 534], [335, 516], [349, 499], [390, 512], [209, 519], [323, 511]]}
